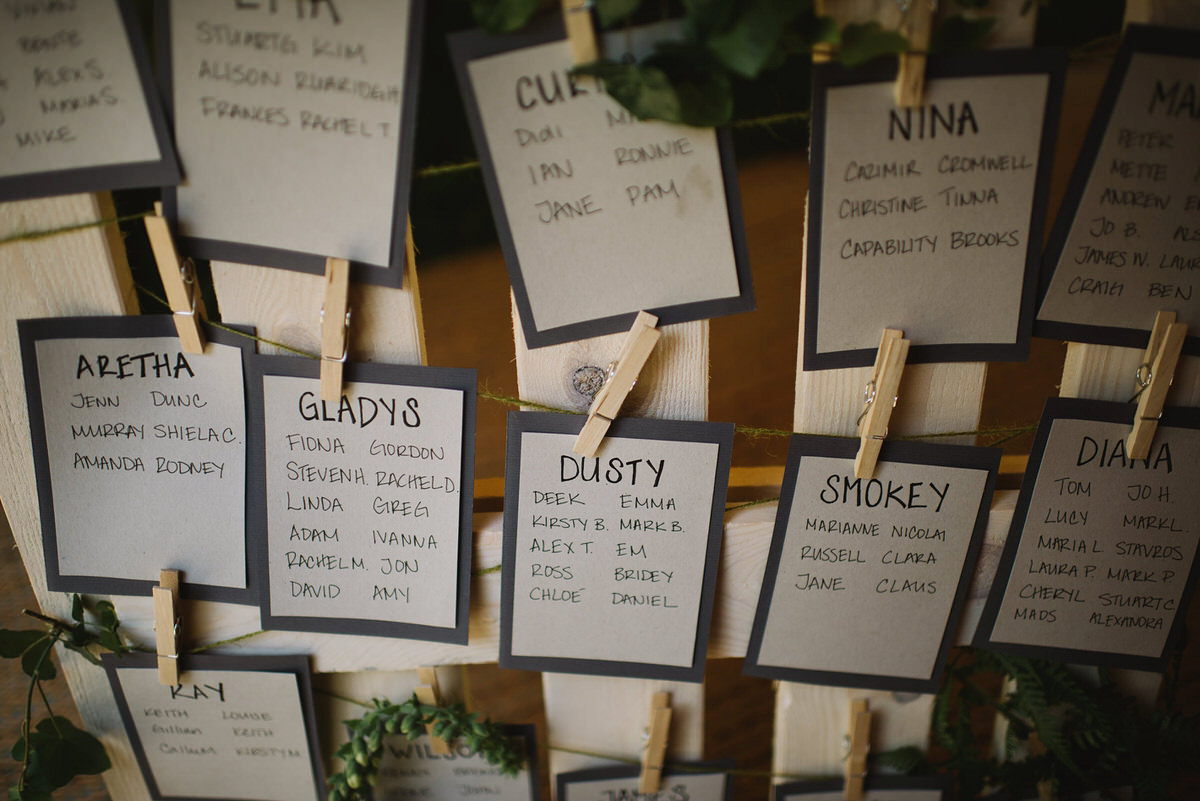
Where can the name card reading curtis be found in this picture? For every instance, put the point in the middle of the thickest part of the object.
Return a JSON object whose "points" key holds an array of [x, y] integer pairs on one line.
{"points": [[866, 578], [140, 455], [411, 769], [1101, 557], [366, 500], [610, 561]]}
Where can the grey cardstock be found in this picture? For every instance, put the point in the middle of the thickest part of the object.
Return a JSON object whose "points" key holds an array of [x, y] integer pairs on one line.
{"points": [[410, 769], [138, 474], [699, 782], [876, 788], [1102, 551]]}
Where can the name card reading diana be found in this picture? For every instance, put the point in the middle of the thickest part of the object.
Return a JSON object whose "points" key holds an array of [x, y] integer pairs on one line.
{"points": [[362, 508], [236, 728], [78, 110], [600, 215], [866, 578], [1126, 243], [411, 769], [944, 200], [1102, 552], [875, 788], [140, 455], [610, 561], [294, 123], [687, 782]]}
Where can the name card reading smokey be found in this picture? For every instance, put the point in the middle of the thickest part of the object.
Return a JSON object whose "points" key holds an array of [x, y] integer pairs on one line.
{"points": [[866, 578], [610, 561], [294, 123], [238, 728], [700, 782], [944, 200], [78, 112], [1127, 241], [600, 215], [1101, 556], [366, 501], [140, 455], [410, 769]]}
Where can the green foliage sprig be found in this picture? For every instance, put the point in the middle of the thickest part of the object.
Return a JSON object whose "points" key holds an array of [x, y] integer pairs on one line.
{"points": [[361, 754]]}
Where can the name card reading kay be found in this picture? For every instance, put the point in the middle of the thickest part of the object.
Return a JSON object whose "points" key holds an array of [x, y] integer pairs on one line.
{"points": [[362, 507], [875, 788], [140, 455], [235, 728], [944, 201], [411, 769], [600, 215], [685, 782], [610, 561], [294, 123], [1126, 243], [866, 578], [78, 108], [1101, 556]]}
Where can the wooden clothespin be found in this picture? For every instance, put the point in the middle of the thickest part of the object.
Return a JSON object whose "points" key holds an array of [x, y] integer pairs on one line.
{"points": [[916, 25], [1154, 376], [179, 281], [166, 626], [656, 743], [880, 397], [428, 692], [335, 327], [859, 739], [635, 350], [581, 33]]}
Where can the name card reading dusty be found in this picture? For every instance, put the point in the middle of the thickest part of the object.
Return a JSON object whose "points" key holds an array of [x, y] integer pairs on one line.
{"points": [[866, 578], [1101, 557], [140, 455], [698, 783], [943, 200], [410, 769], [610, 561], [235, 728], [600, 214], [1127, 241], [78, 112], [365, 502], [294, 123]]}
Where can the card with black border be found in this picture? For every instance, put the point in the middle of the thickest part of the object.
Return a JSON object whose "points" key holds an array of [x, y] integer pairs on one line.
{"points": [[362, 507], [944, 201], [1101, 555], [599, 215], [140, 455], [685, 781], [81, 113], [876, 788], [1126, 243], [610, 562], [866, 579], [236, 728], [295, 126], [411, 769]]}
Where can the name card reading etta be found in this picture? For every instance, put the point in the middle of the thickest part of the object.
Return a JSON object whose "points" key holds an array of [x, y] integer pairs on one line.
{"points": [[610, 561], [78, 107], [600, 215], [235, 728], [944, 200], [684, 782], [362, 507], [1101, 557], [411, 769], [1126, 243], [140, 455], [866, 578]]}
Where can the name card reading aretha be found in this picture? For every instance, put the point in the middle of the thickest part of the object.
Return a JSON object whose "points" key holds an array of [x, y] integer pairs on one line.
{"points": [[410, 769]]}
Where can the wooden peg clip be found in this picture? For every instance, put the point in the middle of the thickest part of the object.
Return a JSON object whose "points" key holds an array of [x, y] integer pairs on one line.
{"points": [[656, 744], [916, 25], [166, 626], [179, 281], [1154, 377], [581, 33], [860, 743], [428, 692], [880, 398], [335, 327], [635, 350]]}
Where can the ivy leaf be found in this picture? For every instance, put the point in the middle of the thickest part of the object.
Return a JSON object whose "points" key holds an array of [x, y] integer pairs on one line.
{"points": [[612, 11], [903, 760], [85, 652], [705, 17], [861, 43], [77, 608], [502, 16], [108, 615], [958, 34], [15, 643], [751, 41], [678, 83], [37, 664]]}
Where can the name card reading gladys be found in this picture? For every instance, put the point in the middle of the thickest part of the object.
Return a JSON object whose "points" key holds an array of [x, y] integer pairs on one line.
{"points": [[944, 200], [140, 452], [1102, 553], [364, 504], [78, 112], [294, 123], [610, 561], [1127, 241], [866, 578], [695, 782], [600, 215], [238, 728], [410, 769], [876, 788]]}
